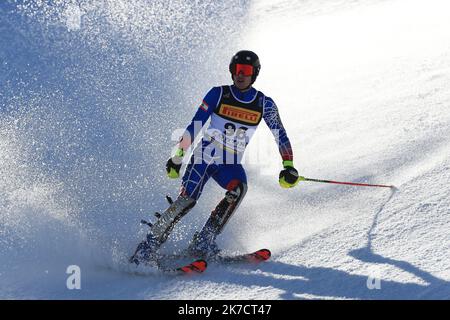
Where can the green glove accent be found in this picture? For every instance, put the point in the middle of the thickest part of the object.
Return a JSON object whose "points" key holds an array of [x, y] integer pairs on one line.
{"points": [[287, 185], [173, 174], [289, 177], [173, 165], [179, 153], [288, 163]]}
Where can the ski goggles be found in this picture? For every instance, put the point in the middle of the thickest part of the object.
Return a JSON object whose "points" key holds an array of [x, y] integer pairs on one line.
{"points": [[245, 69]]}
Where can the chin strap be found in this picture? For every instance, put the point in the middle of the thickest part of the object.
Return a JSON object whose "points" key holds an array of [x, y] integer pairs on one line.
{"points": [[245, 89]]}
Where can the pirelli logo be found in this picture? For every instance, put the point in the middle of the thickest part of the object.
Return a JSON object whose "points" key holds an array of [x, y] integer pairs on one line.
{"points": [[240, 114]]}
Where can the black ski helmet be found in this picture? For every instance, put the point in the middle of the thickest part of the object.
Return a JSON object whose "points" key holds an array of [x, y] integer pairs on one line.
{"points": [[246, 57]]}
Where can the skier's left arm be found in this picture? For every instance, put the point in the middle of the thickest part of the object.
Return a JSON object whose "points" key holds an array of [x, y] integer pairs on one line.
{"points": [[288, 177]]}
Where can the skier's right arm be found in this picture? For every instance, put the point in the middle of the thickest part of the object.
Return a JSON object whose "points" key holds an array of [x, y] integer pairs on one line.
{"points": [[202, 115]]}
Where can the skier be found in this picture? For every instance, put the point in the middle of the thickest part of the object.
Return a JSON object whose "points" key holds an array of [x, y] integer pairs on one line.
{"points": [[235, 113]]}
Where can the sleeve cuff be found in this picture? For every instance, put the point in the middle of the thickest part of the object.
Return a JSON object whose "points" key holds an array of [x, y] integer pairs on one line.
{"points": [[288, 163], [179, 152]]}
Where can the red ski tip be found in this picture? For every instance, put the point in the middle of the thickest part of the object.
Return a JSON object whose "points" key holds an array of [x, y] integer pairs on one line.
{"points": [[197, 266], [261, 255]]}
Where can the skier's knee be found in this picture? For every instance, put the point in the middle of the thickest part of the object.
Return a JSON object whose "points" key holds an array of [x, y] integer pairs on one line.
{"points": [[225, 209], [233, 184], [189, 194], [236, 190]]}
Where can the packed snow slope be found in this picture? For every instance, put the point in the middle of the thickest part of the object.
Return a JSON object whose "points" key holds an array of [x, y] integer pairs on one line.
{"points": [[91, 93]]}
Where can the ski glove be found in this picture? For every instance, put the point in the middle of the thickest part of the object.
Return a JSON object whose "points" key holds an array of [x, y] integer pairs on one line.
{"points": [[289, 176], [173, 165]]}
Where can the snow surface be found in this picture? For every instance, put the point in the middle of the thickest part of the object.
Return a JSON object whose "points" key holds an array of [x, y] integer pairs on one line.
{"points": [[91, 92]]}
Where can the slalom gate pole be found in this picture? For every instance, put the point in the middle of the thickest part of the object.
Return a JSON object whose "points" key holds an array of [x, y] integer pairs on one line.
{"points": [[348, 183]]}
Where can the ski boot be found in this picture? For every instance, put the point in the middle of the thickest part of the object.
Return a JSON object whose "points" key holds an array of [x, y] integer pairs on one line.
{"points": [[147, 251], [203, 245]]}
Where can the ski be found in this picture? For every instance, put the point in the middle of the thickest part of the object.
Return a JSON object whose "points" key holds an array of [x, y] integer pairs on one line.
{"points": [[195, 267], [253, 257], [198, 266]]}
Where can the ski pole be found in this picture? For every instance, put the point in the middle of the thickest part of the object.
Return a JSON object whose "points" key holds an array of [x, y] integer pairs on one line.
{"points": [[347, 183]]}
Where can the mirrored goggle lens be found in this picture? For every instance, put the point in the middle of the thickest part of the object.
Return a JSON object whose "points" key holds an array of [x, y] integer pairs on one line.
{"points": [[245, 69]]}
